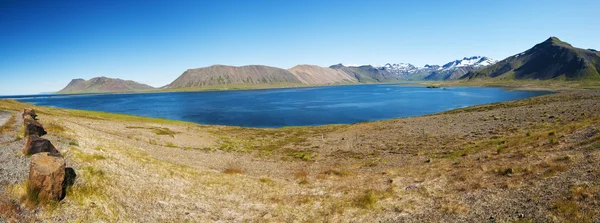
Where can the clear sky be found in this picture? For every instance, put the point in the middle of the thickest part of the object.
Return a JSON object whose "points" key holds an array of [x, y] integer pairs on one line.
{"points": [[45, 44]]}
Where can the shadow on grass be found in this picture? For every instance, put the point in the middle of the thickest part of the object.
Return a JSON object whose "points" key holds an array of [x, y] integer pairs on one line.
{"points": [[69, 180]]}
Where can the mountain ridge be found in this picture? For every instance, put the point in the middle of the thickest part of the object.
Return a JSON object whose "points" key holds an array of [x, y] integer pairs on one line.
{"points": [[228, 75], [103, 85], [552, 59]]}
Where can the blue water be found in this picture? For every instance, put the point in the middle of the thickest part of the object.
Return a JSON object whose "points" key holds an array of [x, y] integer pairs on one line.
{"points": [[287, 107]]}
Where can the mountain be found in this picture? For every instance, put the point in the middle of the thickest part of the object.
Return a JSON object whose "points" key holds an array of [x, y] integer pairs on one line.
{"points": [[231, 75], [552, 59], [103, 85], [456, 69], [404, 71], [316, 75], [367, 73], [258, 76], [449, 71]]}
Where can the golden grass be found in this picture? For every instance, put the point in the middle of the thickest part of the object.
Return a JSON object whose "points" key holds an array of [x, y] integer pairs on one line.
{"points": [[232, 170], [356, 186], [83, 157], [53, 127]]}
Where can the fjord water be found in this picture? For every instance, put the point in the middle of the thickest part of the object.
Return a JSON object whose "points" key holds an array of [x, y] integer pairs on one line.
{"points": [[287, 107]]}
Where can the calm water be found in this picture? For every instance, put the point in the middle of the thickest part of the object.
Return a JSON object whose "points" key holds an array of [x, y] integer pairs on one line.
{"points": [[287, 107]]}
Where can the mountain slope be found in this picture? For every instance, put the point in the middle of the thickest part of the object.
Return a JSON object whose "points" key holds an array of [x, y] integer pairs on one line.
{"points": [[551, 59], [367, 73], [224, 75], [312, 74], [103, 85], [456, 69], [449, 71]]}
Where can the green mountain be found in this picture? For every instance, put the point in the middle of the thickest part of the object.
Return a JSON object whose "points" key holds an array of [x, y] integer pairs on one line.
{"points": [[103, 85], [552, 59]]}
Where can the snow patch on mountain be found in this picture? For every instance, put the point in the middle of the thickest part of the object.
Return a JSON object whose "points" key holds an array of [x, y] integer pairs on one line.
{"points": [[400, 67], [474, 61]]}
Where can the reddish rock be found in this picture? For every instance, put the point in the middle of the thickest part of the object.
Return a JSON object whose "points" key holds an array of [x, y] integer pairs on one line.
{"points": [[46, 176], [29, 112], [36, 145], [33, 127]]}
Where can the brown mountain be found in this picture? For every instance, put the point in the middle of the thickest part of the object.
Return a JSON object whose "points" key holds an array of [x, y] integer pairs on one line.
{"points": [[551, 59], [367, 73], [103, 85], [231, 75], [316, 75]]}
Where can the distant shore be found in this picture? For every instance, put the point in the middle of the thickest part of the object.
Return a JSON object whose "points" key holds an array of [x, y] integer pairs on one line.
{"points": [[526, 85]]}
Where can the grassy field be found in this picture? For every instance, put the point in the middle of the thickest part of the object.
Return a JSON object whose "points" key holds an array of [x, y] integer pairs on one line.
{"points": [[531, 160]]}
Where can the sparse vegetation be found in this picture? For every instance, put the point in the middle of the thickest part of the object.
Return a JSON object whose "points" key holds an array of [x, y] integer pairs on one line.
{"points": [[53, 127], [367, 200], [8, 125], [232, 170], [340, 172]]}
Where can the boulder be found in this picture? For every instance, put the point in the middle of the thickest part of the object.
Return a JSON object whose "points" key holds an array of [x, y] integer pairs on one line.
{"points": [[46, 176], [36, 145], [33, 127], [29, 112]]}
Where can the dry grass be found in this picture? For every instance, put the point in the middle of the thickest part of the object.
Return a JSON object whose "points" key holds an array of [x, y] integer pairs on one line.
{"points": [[8, 125], [53, 127], [372, 171], [232, 170]]}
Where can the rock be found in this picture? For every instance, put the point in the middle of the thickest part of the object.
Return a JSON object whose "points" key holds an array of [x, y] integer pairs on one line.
{"points": [[46, 177], [36, 145], [33, 127], [29, 112], [411, 187]]}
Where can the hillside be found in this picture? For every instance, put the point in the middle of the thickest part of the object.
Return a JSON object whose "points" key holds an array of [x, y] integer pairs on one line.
{"points": [[552, 59], [316, 75], [103, 85], [530, 160], [367, 73], [456, 69], [449, 71], [230, 75]]}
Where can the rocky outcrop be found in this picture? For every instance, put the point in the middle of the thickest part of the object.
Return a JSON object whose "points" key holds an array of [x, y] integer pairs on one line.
{"points": [[46, 176], [35, 145], [29, 112], [33, 128]]}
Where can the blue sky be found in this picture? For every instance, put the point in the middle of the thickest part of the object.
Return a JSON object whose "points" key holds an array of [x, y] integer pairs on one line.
{"points": [[45, 44]]}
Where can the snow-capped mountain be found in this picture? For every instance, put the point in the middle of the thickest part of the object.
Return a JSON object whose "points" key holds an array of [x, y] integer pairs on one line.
{"points": [[449, 71], [474, 61], [456, 69], [400, 67]]}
